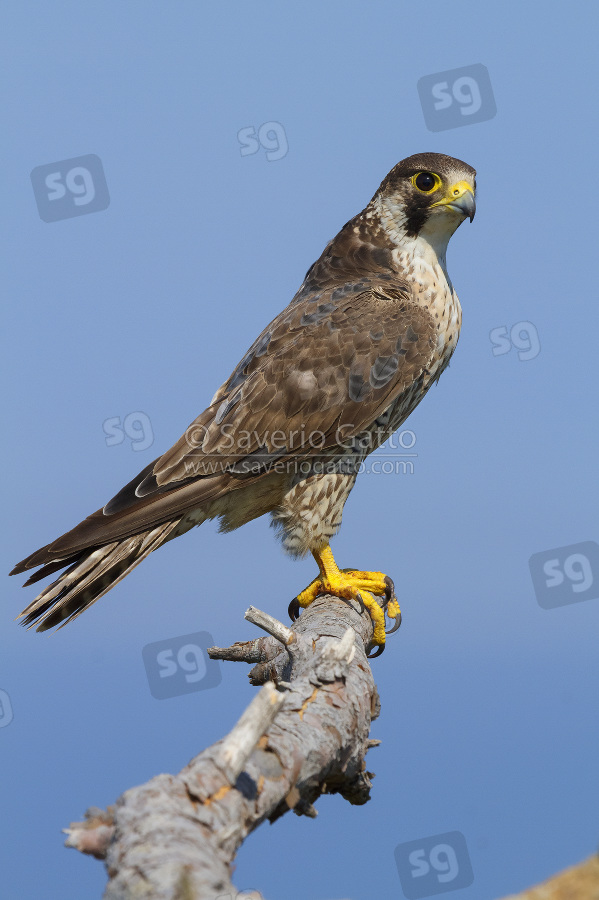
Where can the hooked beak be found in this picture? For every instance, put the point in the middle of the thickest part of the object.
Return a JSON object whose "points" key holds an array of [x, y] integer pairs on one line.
{"points": [[459, 198]]}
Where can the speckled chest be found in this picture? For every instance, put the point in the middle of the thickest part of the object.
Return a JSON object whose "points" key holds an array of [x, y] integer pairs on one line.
{"points": [[431, 288]]}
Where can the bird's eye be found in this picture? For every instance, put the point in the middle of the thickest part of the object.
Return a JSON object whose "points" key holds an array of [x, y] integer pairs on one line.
{"points": [[426, 182]]}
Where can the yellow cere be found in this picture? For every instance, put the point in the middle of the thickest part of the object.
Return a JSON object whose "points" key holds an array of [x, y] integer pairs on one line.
{"points": [[455, 192]]}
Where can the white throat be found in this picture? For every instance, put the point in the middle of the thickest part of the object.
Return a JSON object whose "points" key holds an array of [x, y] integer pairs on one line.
{"points": [[429, 248]]}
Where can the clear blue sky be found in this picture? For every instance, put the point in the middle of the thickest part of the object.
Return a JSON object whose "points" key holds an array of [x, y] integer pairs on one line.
{"points": [[488, 722]]}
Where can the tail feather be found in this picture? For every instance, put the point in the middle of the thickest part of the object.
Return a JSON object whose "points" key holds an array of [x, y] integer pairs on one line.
{"points": [[90, 575], [52, 567]]}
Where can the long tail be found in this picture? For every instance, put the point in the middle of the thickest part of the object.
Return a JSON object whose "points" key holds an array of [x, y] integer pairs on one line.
{"points": [[90, 575]]}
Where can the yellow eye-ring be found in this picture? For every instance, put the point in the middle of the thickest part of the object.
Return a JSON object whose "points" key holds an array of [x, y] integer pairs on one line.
{"points": [[426, 182]]}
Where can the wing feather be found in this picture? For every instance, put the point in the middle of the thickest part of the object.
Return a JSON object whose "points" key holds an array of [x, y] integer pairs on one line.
{"points": [[351, 341], [314, 378]]}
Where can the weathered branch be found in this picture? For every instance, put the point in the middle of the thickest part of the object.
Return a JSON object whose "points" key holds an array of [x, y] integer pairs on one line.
{"points": [[304, 734], [579, 882], [269, 624]]}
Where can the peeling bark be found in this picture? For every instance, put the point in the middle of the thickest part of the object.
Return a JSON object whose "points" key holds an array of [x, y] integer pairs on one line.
{"points": [[304, 734]]}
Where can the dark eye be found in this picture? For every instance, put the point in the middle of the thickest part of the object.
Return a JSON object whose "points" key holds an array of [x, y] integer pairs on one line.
{"points": [[425, 181]]}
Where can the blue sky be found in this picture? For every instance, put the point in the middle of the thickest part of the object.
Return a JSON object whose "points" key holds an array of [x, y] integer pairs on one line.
{"points": [[145, 306]]}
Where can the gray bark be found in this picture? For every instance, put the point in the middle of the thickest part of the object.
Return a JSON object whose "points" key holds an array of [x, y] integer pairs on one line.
{"points": [[304, 734]]}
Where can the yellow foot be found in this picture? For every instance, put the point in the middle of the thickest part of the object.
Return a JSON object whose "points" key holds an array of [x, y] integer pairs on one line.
{"points": [[353, 584]]}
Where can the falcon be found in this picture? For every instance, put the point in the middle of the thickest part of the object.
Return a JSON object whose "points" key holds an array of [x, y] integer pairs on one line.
{"points": [[372, 327]]}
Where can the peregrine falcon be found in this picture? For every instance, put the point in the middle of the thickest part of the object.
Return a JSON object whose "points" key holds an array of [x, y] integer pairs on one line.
{"points": [[372, 327]]}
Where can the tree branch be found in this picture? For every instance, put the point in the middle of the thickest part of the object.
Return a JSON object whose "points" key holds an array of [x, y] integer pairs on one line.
{"points": [[579, 882], [304, 734]]}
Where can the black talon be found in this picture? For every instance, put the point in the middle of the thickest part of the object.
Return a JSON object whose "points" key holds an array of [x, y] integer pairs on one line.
{"points": [[361, 602], [397, 620], [294, 610], [389, 591], [378, 652]]}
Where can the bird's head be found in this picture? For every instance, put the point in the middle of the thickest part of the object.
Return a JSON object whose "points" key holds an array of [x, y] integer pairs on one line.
{"points": [[427, 195]]}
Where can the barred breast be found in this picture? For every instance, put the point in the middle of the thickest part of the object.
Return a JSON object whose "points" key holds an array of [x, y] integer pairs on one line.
{"points": [[311, 508]]}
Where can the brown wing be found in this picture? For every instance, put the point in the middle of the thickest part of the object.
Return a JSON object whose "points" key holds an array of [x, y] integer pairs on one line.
{"points": [[323, 369], [350, 342], [328, 362]]}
